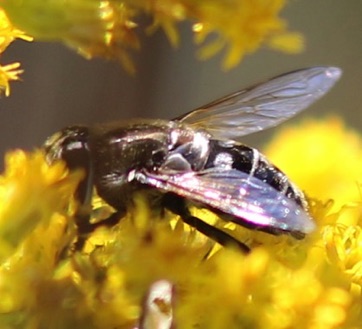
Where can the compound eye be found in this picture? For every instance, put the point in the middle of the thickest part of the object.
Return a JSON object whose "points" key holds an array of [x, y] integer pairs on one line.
{"points": [[76, 155], [71, 145], [53, 147], [68, 141]]}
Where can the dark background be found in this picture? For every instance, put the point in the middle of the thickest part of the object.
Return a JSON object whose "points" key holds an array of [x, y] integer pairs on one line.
{"points": [[60, 88]]}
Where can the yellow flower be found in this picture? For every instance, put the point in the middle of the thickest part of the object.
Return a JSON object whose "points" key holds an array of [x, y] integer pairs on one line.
{"points": [[107, 28], [324, 158], [31, 193], [9, 73], [242, 27], [93, 28], [8, 34], [114, 282]]}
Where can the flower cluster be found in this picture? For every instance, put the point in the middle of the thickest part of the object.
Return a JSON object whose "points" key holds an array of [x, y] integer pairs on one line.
{"points": [[331, 152], [152, 271], [109, 29], [7, 35]]}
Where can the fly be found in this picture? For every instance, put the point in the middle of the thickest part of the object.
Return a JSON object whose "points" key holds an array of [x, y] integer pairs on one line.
{"points": [[196, 159]]}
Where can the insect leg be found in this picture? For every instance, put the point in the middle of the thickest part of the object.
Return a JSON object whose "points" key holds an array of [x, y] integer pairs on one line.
{"points": [[110, 221], [177, 205], [79, 158]]}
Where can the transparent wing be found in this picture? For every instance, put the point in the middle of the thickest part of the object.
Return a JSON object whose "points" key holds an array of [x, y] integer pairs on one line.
{"points": [[249, 200], [264, 105]]}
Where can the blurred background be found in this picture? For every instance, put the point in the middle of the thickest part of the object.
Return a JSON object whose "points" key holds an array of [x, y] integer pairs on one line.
{"points": [[60, 88]]}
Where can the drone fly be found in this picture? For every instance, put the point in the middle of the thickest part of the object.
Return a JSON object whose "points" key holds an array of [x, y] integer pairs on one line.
{"points": [[195, 159]]}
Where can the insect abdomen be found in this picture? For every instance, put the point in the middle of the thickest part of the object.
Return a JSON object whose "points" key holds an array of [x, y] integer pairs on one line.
{"points": [[251, 161]]}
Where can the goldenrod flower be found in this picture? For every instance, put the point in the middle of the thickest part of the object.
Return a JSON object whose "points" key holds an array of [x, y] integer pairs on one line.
{"points": [[332, 154], [155, 271], [108, 28], [31, 192], [8, 34], [9, 73], [242, 27]]}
